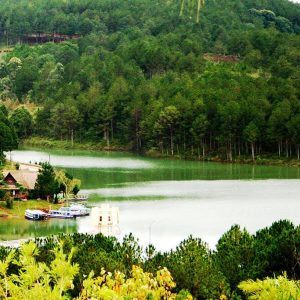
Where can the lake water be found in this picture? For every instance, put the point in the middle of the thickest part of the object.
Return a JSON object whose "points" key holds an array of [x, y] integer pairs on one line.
{"points": [[164, 201]]}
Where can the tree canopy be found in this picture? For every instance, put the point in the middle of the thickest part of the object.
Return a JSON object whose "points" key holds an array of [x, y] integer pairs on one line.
{"points": [[145, 75], [8, 137]]}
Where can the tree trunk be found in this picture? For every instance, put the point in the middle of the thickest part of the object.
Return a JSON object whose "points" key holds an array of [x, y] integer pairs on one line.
{"points": [[279, 150], [171, 142], [198, 11], [137, 131], [161, 147], [252, 151], [106, 137], [72, 137], [230, 151], [140, 142], [181, 7], [234, 149], [112, 129]]}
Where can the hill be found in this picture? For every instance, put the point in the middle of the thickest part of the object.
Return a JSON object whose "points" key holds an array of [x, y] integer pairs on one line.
{"points": [[134, 73]]}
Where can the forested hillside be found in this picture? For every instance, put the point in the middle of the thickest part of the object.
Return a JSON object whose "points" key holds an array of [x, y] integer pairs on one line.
{"points": [[214, 77]]}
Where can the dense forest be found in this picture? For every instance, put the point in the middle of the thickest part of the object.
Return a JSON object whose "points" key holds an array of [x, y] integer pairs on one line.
{"points": [[187, 78], [195, 269]]}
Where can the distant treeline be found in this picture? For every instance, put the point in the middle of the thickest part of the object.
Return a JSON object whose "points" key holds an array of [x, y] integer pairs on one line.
{"points": [[137, 76], [206, 274]]}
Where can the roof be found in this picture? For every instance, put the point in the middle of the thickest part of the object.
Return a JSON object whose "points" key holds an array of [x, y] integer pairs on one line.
{"points": [[24, 177]]}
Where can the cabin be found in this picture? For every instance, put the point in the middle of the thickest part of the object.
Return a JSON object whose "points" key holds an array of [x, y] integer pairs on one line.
{"points": [[19, 182]]}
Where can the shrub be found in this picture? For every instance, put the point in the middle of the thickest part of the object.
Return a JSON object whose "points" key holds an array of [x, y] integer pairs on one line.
{"points": [[9, 202]]}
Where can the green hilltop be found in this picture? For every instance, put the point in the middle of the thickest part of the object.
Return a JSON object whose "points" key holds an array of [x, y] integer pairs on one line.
{"points": [[187, 78]]}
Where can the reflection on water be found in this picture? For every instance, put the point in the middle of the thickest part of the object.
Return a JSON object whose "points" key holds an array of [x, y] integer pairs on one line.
{"points": [[77, 161], [164, 201], [17, 228], [204, 209]]}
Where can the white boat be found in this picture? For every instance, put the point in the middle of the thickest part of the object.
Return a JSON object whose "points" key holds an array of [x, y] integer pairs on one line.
{"points": [[60, 214], [35, 215], [78, 210]]}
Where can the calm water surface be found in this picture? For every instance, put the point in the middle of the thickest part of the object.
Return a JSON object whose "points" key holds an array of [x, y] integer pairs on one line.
{"points": [[164, 201]]}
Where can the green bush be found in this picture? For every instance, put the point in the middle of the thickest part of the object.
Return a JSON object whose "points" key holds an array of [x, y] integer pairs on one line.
{"points": [[2, 194], [9, 202]]}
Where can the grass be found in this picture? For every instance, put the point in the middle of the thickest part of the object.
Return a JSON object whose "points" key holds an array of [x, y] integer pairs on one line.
{"points": [[11, 105], [66, 144], [9, 165], [3, 49], [19, 207]]}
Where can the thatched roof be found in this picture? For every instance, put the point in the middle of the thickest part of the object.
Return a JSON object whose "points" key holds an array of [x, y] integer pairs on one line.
{"points": [[24, 177]]}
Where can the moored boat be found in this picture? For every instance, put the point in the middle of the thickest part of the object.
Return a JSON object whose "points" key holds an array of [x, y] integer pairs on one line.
{"points": [[78, 210], [61, 214], [35, 215]]}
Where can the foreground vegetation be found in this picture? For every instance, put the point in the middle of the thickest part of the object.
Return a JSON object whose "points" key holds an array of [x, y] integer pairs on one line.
{"points": [[137, 76], [100, 267]]}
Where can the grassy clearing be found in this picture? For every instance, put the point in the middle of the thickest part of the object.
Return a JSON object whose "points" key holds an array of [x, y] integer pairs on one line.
{"points": [[9, 165], [12, 104], [19, 207], [4, 50], [57, 144]]}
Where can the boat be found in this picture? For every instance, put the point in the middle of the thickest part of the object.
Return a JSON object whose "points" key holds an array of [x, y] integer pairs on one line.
{"points": [[35, 215], [60, 214], [78, 210]]}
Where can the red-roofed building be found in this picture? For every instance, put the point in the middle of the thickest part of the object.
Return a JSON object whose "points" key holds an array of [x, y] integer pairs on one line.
{"points": [[19, 182]]}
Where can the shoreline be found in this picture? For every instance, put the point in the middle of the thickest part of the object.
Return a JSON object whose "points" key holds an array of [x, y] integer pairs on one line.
{"points": [[19, 207], [266, 159]]}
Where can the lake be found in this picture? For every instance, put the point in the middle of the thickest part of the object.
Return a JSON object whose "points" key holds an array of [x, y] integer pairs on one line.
{"points": [[164, 201]]}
